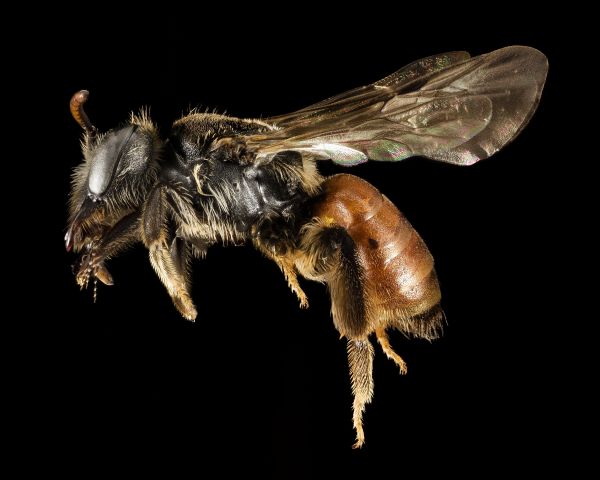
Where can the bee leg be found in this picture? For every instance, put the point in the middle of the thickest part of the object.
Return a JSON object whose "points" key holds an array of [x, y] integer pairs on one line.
{"points": [[383, 340], [168, 258], [180, 254], [291, 276], [288, 268], [91, 263], [328, 254], [123, 234], [360, 359]]}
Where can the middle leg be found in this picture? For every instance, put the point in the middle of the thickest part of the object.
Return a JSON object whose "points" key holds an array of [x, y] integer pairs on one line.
{"points": [[288, 268], [289, 272], [383, 340]]}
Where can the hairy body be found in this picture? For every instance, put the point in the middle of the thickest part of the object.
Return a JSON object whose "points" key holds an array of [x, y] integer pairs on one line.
{"points": [[222, 180]]}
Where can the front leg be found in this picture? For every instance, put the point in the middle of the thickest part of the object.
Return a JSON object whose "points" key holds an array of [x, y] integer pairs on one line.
{"points": [[91, 262], [168, 256]]}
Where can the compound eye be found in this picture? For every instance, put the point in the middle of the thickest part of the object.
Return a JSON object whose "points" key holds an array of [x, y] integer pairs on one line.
{"points": [[106, 159]]}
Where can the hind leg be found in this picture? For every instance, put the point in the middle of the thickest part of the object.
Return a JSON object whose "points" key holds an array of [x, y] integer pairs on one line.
{"points": [[360, 359], [383, 340]]}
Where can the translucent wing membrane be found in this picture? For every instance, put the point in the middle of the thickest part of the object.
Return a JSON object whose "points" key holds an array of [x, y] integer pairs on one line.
{"points": [[446, 107]]}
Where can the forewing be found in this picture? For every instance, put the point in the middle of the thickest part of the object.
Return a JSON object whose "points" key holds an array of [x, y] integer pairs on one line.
{"points": [[407, 78], [446, 107]]}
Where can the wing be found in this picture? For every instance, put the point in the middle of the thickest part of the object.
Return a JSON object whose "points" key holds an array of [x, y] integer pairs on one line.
{"points": [[447, 107]]}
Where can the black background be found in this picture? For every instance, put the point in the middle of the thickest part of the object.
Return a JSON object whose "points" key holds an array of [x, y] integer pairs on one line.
{"points": [[256, 380]]}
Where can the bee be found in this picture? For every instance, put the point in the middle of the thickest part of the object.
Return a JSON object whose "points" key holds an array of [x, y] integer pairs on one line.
{"points": [[217, 179]]}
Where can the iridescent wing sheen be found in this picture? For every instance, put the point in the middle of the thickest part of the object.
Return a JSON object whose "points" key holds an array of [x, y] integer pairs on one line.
{"points": [[447, 107]]}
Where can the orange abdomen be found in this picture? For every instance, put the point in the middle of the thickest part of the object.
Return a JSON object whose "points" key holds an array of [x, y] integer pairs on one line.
{"points": [[400, 283]]}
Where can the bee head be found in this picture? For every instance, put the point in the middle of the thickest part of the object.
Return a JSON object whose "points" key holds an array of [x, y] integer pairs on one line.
{"points": [[118, 169]]}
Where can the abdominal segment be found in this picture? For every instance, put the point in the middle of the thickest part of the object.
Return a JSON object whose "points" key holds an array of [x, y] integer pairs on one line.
{"points": [[399, 284]]}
